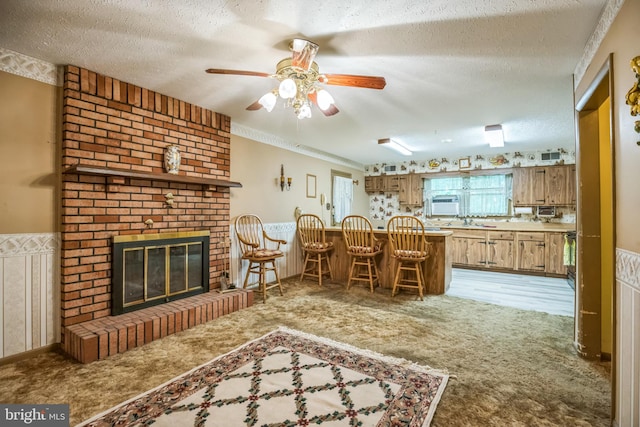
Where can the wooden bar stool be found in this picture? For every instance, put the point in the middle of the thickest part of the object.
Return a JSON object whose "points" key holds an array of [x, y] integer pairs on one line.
{"points": [[362, 247], [315, 247], [254, 243], [410, 249]]}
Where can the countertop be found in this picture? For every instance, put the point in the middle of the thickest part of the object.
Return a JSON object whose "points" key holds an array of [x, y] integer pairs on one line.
{"points": [[446, 228]]}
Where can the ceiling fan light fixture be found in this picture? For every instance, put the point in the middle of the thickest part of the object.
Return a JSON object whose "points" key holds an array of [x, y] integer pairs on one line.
{"points": [[396, 146], [325, 100], [494, 136], [268, 101], [287, 89]]}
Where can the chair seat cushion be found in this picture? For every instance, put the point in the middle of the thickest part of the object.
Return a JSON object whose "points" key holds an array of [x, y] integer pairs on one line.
{"points": [[263, 253], [363, 249], [318, 245], [407, 254]]}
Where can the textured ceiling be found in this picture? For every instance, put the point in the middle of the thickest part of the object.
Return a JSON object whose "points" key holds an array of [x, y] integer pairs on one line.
{"points": [[451, 66]]}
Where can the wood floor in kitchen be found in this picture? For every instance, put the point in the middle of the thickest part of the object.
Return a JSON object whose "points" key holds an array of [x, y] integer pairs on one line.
{"points": [[539, 293]]}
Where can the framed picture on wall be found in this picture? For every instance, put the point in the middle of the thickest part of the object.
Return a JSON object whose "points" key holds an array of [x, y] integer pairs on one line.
{"points": [[311, 186], [464, 163]]}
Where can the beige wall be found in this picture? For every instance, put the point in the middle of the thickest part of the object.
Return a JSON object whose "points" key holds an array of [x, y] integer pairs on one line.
{"points": [[257, 166], [28, 177], [622, 41]]}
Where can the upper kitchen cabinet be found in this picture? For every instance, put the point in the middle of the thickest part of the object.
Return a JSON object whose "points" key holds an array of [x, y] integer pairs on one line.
{"points": [[411, 186], [382, 183], [544, 186]]}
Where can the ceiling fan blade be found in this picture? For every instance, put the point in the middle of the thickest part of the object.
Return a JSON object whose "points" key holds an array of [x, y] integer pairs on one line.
{"points": [[369, 82], [255, 106], [237, 72], [332, 110], [303, 53]]}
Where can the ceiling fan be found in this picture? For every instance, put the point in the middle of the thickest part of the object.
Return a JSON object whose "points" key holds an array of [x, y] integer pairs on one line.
{"points": [[300, 81]]}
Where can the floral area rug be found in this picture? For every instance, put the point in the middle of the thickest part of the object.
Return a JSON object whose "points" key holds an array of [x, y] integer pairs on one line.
{"points": [[289, 378]]}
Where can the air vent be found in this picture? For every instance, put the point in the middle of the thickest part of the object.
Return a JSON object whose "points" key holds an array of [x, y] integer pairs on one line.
{"points": [[551, 156], [391, 168]]}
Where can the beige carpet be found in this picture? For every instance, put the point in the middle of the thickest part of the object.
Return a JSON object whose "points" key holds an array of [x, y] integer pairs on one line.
{"points": [[289, 378], [508, 367]]}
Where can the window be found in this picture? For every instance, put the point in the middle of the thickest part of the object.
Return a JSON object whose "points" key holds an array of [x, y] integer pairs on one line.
{"points": [[341, 195], [478, 195]]}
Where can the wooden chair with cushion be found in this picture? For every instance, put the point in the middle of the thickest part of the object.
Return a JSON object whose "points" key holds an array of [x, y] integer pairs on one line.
{"points": [[260, 250], [410, 249], [363, 248], [315, 246]]}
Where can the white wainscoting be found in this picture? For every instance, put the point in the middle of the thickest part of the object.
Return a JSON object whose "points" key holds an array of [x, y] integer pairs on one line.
{"points": [[289, 265], [29, 292], [628, 322]]}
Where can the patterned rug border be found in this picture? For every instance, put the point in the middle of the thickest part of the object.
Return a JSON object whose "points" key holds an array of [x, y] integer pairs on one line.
{"points": [[443, 374]]}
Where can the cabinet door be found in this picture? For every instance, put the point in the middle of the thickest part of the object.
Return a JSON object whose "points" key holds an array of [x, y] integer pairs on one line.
{"points": [[528, 186], [531, 251], [391, 183], [555, 254], [560, 185], [373, 184], [410, 192], [469, 251], [500, 250]]}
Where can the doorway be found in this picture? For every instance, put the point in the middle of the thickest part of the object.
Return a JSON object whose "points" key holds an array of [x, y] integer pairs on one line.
{"points": [[595, 222]]}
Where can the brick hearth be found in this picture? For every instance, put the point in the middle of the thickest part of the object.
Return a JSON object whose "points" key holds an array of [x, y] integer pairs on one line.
{"points": [[100, 338]]}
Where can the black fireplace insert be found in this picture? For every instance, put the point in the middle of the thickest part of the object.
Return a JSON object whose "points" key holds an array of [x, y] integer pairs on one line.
{"points": [[152, 269]]}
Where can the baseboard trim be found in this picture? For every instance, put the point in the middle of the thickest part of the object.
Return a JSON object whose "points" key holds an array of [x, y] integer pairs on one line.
{"points": [[55, 347]]}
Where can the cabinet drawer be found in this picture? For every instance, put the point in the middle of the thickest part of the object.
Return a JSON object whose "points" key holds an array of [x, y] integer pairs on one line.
{"points": [[473, 234], [501, 235], [535, 236]]}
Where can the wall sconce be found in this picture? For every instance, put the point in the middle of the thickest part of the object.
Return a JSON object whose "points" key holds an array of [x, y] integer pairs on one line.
{"points": [[284, 184], [633, 96]]}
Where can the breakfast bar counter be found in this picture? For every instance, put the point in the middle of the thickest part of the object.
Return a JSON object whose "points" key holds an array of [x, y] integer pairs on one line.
{"points": [[437, 267]]}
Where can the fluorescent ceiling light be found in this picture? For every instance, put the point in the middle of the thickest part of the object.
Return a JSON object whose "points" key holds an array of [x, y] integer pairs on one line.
{"points": [[494, 136], [390, 143]]}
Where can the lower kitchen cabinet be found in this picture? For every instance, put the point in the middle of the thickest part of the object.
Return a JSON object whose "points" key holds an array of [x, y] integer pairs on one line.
{"points": [[555, 253], [538, 251], [470, 247], [500, 253], [531, 251]]}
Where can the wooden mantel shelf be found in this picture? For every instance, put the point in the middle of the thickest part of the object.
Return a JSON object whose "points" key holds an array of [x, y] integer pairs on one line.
{"points": [[167, 177]]}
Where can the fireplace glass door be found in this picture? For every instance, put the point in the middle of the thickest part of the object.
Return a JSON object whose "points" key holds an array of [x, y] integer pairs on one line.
{"points": [[155, 270]]}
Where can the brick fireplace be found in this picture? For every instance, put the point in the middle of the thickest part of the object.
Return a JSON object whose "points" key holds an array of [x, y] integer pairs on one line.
{"points": [[114, 184]]}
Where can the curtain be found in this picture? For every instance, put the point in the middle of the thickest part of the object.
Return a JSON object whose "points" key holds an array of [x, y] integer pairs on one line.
{"points": [[342, 198], [480, 195]]}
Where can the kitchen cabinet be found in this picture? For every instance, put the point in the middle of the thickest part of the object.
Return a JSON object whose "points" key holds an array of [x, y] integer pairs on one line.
{"points": [[373, 184], [544, 186], [531, 251], [470, 247], [382, 183], [480, 248], [555, 254], [524, 251], [410, 189], [500, 253]]}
